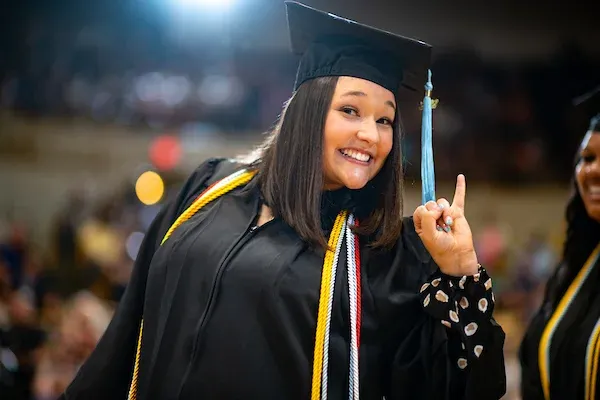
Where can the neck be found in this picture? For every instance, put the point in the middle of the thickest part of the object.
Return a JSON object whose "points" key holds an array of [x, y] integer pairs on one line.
{"points": [[332, 186]]}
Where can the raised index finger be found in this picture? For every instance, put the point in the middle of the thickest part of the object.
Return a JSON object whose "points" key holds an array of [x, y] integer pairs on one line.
{"points": [[459, 193]]}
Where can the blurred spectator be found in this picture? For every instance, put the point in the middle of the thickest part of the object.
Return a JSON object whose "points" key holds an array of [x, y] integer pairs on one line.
{"points": [[5, 291], [13, 251], [533, 267], [23, 339], [492, 247], [66, 248], [84, 321]]}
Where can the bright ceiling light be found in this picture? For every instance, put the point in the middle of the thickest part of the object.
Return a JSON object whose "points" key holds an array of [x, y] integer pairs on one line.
{"points": [[220, 5]]}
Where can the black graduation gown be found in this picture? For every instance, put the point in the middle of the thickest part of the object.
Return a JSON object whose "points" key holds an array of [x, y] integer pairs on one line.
{"points": [[568, 345], [231, 314]]}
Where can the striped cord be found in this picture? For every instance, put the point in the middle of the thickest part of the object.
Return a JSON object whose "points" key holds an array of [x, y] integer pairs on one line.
{"points": [[353, 389], [359, 288], [342, 225], [336, 258], [319, 349]]}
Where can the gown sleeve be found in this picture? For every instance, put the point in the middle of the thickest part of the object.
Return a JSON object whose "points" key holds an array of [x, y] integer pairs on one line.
{"points": [[449, 346], [107, 372]]}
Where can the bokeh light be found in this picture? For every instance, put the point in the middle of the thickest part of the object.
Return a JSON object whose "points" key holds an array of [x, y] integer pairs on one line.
{"points": [[149, 188], [165, 152]]}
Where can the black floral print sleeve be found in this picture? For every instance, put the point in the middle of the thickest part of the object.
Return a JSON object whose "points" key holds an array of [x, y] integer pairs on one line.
{"points": [[465, 305]]}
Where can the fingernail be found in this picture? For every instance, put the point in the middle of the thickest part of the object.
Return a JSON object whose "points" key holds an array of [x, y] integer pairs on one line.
{"points": [[441, 206], [447, 228], [439, 228], [448, 220]]}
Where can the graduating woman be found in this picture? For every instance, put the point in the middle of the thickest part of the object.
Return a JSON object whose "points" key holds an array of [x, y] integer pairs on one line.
{"points": [[560, 351], [294, 275]]}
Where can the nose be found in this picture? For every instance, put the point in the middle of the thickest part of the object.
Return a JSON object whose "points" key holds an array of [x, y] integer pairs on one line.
{"points": [[368, 132]]}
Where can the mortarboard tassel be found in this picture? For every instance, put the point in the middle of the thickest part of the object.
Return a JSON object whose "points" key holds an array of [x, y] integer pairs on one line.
{"points": [[427, 167]]}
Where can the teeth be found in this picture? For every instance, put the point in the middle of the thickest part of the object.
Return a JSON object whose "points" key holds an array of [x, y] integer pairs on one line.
{"points": [[357, 155], [594, 189]]}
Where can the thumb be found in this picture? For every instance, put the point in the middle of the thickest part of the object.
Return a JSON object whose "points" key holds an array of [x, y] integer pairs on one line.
{"points": [[426, 221]]}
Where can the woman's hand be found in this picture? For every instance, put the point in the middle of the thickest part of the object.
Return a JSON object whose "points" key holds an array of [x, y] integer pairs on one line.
{"points": [[446, 234]]}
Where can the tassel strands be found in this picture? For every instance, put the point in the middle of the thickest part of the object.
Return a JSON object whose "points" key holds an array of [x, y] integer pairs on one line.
{"points": [[427, 166]]}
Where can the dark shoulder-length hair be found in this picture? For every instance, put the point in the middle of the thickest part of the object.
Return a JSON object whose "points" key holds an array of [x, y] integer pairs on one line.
{"points": [[582, 236], [290, 170]]}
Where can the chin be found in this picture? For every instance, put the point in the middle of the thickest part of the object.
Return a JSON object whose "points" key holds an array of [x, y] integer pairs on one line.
{"points": [[355, 185], [346, 179]]}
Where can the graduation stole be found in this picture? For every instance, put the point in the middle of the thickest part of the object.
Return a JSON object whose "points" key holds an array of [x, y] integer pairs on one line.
{"points": [[341, 227], [592, 355]]}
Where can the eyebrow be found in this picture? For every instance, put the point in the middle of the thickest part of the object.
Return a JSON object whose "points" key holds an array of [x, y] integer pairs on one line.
{"points": [[358, 93]]}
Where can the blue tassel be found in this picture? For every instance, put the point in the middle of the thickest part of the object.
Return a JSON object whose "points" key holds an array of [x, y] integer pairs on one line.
{"points": [[427, 167]]}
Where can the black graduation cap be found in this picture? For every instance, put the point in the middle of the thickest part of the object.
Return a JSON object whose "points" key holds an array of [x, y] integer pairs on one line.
{"points": [[330, 45], [590, 103]]}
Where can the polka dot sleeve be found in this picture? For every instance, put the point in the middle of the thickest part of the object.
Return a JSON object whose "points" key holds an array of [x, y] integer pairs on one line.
{"points": [[463, 304]]}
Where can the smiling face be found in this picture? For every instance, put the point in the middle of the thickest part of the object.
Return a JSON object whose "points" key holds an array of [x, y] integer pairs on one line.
{"points": [[358, 133], [587, 174]]}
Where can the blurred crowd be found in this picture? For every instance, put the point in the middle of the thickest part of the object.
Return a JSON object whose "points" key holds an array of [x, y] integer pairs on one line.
{"points": [[56, 303]]}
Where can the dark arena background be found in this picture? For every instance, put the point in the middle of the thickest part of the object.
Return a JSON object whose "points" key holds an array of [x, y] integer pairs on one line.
{"points": [[106, 106]]}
